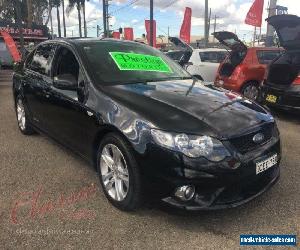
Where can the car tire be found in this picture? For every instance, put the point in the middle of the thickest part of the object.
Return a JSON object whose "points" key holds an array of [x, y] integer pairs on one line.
{"points": [[251, 90], [119, 173], [22, 117]]}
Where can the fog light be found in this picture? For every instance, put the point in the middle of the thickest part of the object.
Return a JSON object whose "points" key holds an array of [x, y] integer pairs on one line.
{"points": [[185, 193]]}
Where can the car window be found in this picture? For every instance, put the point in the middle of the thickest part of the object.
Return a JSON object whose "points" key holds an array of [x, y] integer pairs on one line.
{"points": [[127, 62], [212, 56], [267, 56], [42, 58], [65, 63], [175, 55]]}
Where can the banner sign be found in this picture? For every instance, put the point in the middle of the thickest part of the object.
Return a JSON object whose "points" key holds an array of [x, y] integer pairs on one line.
{"points": [[147, 25], [36, 31], [254, 15], [128, 34], [185, 31], [141, 62], [11, 45]]}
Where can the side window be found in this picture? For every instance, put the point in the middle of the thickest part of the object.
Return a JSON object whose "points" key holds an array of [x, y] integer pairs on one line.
{"points": [[42, 58], [266, 57], [212, 56], [66, 63]]}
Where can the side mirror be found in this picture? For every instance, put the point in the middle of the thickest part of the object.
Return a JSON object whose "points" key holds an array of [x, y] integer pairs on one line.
{"points": [[65, 82]]}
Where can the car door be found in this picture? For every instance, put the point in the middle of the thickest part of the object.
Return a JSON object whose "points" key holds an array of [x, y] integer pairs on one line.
{"points": [[69, 119], [37, 81]]}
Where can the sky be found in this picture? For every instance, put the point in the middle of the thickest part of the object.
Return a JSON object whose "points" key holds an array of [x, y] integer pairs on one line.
{"points": [[169, 13]]}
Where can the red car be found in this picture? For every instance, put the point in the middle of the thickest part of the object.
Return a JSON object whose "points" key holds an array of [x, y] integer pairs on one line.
{"points": [[244, 68]]}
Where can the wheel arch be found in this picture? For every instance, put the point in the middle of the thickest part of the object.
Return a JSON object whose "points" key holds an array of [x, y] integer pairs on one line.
{"points": [[247, 82], [103, 131]]}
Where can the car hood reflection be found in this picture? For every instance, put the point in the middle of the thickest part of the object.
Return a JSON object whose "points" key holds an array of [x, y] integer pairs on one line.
{"points": [[189, 106]]}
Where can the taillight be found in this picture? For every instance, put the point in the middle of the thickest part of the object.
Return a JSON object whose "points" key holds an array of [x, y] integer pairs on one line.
{"points": [[297, 81]]}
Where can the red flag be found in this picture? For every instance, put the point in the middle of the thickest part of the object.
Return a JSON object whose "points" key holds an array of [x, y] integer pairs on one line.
{"points": [[128, 34], [11, 45], [147, 25], [185, 31], [254, 15], [116, 35]]}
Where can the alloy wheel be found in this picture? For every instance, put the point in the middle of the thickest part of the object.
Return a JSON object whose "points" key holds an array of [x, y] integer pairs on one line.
{"points": [[21, 115], [251, 92], [114, 172]]}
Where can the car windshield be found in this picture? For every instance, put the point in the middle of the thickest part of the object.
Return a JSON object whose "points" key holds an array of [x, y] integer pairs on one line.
{"points": [[127, 62]]}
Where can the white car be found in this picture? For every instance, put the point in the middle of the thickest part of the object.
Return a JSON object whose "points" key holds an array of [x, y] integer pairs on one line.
{"points": [[201, 63]]}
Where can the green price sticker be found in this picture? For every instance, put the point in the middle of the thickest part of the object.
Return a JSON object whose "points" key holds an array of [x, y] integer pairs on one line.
{"points": [[141, 62]]}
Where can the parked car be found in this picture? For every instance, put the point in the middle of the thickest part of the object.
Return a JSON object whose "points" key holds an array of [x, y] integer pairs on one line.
{"points": [[282, 85], [244, 69], [201, 63], [146, 124]]}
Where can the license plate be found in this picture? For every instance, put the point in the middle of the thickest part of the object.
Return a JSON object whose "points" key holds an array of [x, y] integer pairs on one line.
{"points": [[271, 98], [266, 164]]}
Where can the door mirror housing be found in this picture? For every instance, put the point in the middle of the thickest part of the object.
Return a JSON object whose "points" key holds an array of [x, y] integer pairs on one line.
{"points": [[65, 82]]}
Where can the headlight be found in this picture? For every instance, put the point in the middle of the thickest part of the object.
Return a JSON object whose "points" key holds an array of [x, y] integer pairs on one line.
{"points": [[191, 145]]}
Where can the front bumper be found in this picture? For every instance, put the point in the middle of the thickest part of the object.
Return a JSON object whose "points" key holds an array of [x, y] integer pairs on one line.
{"points": [[288, 97], [217, 186]]}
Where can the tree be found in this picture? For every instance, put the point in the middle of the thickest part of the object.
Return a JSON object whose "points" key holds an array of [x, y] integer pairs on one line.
{"points": [[72, 4]]}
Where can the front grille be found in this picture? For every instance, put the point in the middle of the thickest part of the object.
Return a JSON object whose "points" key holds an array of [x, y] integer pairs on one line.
{"points": [[245, 142]]}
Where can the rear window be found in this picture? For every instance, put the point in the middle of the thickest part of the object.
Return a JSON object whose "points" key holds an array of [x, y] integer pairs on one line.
{"points": [[267, 56], [175, 55], [213, 56]]}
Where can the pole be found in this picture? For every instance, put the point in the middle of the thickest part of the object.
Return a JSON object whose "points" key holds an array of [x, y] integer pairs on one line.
{"points": [[259, 36], [50, 16], [215, 25], [104, 17], [206, 24], [254, 36], [168, 35], [270, 29], [64, 19], [19, 23], [107, 20], [151, 23]]}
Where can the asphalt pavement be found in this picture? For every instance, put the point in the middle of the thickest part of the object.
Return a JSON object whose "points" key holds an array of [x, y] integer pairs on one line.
{"points": [[50, 199]]}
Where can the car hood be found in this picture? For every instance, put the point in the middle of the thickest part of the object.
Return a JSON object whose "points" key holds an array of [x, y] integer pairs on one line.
{"points": [[288, 30], [187, 106], [230, 40]]}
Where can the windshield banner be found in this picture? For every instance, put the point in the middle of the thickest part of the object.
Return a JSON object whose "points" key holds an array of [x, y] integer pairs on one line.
{"points": [[141, 62]]}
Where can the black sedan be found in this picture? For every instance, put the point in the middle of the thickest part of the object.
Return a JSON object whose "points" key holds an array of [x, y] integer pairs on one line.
{"points": [[147, 125], [282, 87]]}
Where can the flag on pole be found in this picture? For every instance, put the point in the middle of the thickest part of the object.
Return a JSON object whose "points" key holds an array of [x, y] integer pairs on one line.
{"points": [[11, 45], [254, 15], [116, 35], [185, 31], [128, 34], [147, 25]]}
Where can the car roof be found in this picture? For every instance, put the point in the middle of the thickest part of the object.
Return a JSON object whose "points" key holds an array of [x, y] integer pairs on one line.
{"points": [[209, 49], [78, 40]]}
